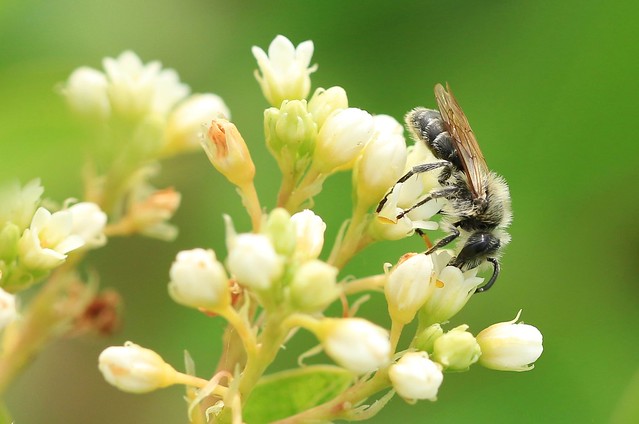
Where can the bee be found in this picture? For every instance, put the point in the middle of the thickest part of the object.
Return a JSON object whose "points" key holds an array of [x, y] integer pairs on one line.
{"points": [[477, 211]]}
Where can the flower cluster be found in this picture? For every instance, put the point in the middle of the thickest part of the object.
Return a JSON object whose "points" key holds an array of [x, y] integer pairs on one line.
{"points": [[35, 240], [273, 281]]}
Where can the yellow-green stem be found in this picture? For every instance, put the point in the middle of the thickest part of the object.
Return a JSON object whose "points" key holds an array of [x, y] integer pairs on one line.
{"points": [[251, 202]]}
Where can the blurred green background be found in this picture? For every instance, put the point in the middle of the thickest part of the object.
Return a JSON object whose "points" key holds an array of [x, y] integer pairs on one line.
{"points": [[550, 88]]}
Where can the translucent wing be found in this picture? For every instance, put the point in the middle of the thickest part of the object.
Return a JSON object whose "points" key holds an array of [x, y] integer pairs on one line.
{"points": [[464, 140]]}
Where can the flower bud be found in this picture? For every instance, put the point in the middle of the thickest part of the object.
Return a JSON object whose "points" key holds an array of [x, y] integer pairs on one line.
{"points": [[453, 289], [187, 122], [314, 286], [198, 280], [88, 223], [254, 262], [415, 376], [456, 350], [292, 128], [86, 93], [281, 231], [8, 310], [382, 161], [341, 139], [310, 234], [326, 101], [227, 151], [355, 343], [425, 339], [134, 369], [44, 245], [284, 73], [408, 286], [507, 346]]}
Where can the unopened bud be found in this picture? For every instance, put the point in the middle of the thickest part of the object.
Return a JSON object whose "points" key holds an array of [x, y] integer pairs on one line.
{"points": [[508, 346], [309, 228], [134, 369], [341, 139], [86, 93], [326, 101], [408, 286], [227, 151], [415, 376], [456, 350], [254, 262], [198, 280], [314, 286], [355, 343]]}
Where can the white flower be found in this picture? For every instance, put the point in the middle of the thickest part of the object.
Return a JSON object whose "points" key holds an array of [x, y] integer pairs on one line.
{"points": [[46, 242], [415, 376], [314, 286], [86, 93], [457, 349], [18, 204], [382, 162], [253, 261], [355, 343], [453, 289], [388, 227], [198, 280], [326, 101], [341, 139], [285, 71], [188, 122], [507, 346], [408, 286], [8, 310], [310, 234], [88, 221], [136, 89], [134, 369]]}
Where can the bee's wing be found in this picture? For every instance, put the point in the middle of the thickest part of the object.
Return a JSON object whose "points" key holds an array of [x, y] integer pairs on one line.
{"points": [[464, 140]]}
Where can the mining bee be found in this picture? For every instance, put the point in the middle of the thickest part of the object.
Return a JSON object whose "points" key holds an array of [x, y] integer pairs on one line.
{"points": [[477, 210]]}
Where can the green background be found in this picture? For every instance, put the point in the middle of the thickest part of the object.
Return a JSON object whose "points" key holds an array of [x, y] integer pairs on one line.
{"points": [[550, 88]]}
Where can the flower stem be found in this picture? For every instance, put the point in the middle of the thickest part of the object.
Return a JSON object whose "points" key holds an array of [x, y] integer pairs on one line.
{"points": [[353, 241], [251, 202]]}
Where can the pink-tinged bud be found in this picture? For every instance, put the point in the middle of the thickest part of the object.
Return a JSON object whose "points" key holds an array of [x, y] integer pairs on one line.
{"points": [[227, 151]]}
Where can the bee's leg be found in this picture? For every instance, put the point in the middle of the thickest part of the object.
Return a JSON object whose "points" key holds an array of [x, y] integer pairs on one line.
{"points": [[424, 237], [418, 169], [493, 278], [443, 242], [444, 192]]}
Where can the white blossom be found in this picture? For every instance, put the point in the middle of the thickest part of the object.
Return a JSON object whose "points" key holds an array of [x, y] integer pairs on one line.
{"points": [[45, 244], [86, 93], [284, 73], [88, 221]]}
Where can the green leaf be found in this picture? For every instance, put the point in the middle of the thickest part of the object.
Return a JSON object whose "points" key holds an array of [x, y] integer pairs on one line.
{"points": [[288, 392]]}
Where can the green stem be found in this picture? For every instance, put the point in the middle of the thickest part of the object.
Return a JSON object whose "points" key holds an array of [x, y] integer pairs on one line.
{"points": [[354, 240]]}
